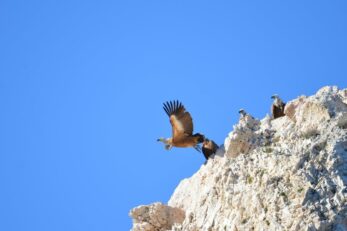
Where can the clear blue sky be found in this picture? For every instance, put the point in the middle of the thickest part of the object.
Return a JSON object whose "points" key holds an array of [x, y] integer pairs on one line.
{"points": [[82, 85]]}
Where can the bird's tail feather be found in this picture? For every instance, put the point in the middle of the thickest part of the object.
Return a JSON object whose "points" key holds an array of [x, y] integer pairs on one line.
{"points": [[200, 137]]}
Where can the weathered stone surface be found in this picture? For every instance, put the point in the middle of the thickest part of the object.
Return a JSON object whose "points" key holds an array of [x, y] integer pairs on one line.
{"points": [[284, 174], [243, 138], [156, 216]]}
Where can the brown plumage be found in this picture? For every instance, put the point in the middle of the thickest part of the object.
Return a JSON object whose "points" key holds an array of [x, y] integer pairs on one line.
{"points": [[182, 127], [278, 111], [277, 108], [209, 147]]}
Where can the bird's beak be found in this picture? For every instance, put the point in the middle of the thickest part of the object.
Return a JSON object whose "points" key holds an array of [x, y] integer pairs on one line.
{"points": [[272, 97], [158, 140]]}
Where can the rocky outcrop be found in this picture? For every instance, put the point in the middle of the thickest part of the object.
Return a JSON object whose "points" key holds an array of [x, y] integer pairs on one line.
{"points": [[156, 216], [284, 174]]}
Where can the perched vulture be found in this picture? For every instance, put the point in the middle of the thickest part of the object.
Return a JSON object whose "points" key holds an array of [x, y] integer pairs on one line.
{"points": [[242, 113], [277, 108], [209, 147], [182, 127]]}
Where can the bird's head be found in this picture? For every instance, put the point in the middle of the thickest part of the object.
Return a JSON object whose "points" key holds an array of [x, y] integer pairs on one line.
{"points": [[166, 142], [161, 139], [277, 100]]}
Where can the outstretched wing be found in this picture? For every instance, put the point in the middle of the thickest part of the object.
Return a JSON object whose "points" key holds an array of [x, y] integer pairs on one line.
{"points": [[180, 119]]}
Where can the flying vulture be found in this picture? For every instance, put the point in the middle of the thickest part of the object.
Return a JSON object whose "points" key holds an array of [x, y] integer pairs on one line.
{"points": [[182, 127], [277, 108], [209, 147]]}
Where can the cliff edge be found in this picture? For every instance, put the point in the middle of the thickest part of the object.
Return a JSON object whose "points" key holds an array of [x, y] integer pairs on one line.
{"points": [[284, 174]]}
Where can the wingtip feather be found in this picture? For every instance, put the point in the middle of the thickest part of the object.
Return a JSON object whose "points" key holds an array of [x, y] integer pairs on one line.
{"points": [[171, 107]]}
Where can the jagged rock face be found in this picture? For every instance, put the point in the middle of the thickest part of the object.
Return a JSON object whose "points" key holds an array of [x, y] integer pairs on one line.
{"points": [[283, 174]]}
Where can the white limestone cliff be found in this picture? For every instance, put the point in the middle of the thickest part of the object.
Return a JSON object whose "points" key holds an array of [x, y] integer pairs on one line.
{"points": [[284, 174]]}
